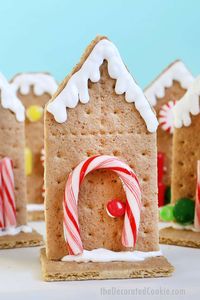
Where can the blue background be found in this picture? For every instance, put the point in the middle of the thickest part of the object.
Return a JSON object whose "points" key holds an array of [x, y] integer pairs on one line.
{"points": [[50, 35]]}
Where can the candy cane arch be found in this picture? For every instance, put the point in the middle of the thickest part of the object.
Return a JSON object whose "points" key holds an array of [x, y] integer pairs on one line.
{"points": [[42, 159], [133, 200], [7, 197], [197, 200], [1, 199]]}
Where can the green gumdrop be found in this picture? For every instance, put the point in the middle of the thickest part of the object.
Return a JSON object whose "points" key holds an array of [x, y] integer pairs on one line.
{"points": [[166, 213], [184, 211], [168, 195]]}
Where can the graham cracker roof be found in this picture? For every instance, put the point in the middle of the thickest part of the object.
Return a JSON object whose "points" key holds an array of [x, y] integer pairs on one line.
{"points": [[41, 83], [177, 71], [188, 105], [75, 87], [9, 100]]}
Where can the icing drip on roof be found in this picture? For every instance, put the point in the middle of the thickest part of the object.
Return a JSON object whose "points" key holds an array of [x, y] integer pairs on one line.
{"points": [[9, 99], [77, 87], [187, 106], [41, 83], [176, 72]]}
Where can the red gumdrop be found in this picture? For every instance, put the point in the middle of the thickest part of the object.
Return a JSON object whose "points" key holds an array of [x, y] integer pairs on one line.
{"points": [[116, 208], [161, 194]]}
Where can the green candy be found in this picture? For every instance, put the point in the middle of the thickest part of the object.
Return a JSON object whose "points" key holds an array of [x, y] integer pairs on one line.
{"points": [[166, 213], [184, 211]]}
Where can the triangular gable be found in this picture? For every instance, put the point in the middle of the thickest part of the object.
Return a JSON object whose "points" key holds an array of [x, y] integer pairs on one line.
{"points": [[75, 89], [41, 83], [188, 105], [9, 100], [177, 71]]}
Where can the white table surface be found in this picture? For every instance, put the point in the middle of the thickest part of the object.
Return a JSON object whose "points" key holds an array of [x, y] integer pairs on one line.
{"points": [[20, 278]]}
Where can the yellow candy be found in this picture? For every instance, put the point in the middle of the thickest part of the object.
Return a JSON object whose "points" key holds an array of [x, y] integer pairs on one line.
{"points": [[28, 161], [34, 113]]}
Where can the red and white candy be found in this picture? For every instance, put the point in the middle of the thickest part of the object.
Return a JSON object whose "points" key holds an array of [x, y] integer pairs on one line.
{"points": [[133, 200], [7, 197], [42, 159], [1, 200], [165, 117], [42, 156], [197, 200]]}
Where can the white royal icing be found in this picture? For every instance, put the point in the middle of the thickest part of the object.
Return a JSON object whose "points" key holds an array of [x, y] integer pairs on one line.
{"points": [[189, 104], [9, 99], [176, 72], [41, 83], [77, 87], [183, 227], [15, 230], [104, 255], [35, 207]]}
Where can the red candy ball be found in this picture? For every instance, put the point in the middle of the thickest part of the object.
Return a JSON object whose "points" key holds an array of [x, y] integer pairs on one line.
{"points": [[116, 208]]}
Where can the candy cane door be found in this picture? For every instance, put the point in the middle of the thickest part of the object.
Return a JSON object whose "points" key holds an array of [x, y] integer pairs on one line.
{"points": [[103, 214]]}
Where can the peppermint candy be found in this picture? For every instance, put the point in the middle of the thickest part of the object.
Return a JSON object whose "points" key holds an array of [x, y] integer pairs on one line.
{"points": [[165, 117]]}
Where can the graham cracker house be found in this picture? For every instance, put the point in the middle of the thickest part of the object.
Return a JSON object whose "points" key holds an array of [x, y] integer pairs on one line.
{"points": [[186, 171], [14, 232], [100, 137], [34, 90], [162, 93]]}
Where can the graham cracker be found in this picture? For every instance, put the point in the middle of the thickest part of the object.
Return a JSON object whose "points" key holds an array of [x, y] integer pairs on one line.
{"points": [[186, 152], [185, 238], [34, 135], [164, 139], [59, 271], [21, 240], [35, 215], [12, 143], [108, 125]]}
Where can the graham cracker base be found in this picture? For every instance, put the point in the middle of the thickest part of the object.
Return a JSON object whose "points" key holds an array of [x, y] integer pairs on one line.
{"points": [[64, 271], [37, 215], [185, 238], [21, 240]]}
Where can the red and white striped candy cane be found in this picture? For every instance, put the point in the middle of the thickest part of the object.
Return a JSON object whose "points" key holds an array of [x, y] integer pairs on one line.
{"points": [[42, 159], [133, 200], [197, 200], [7, 193], [42, 156], [1, 201]]}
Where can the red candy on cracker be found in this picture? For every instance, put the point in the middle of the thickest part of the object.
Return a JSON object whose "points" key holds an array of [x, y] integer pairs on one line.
{"points": [[115, 208]]}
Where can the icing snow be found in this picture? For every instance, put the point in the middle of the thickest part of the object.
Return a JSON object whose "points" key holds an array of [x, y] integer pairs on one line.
{"points": [[15, 230], [187, 106], [104, 255], [182, 227], [41, 83], [77, 87], [176, 72], [9, 100], [35, 207]]}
